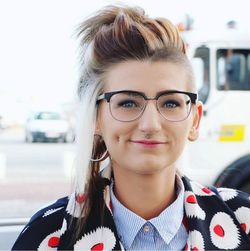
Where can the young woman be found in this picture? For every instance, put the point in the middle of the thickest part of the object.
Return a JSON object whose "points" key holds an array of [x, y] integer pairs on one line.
{"points": [[138, 108]]}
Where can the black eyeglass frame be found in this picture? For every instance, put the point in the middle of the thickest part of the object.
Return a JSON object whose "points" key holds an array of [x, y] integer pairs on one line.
{"points": [[108, 95]]}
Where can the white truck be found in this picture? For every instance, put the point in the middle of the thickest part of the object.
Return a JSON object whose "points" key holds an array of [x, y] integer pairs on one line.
{"points": [[221, 155]]}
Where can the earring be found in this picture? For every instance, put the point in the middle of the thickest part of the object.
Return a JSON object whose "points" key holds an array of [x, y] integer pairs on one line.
{"points": [[99, 141], [103, 157]]}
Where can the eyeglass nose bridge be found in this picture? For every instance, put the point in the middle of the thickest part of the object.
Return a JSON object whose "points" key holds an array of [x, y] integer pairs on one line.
{"points": [[146, 99]]}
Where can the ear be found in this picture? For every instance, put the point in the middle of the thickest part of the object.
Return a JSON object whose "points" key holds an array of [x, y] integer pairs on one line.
{"points": [[194, 131], [98, 124]]}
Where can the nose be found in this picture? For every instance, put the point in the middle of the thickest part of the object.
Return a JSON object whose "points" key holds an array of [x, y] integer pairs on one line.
{"points": [[150, 120]]}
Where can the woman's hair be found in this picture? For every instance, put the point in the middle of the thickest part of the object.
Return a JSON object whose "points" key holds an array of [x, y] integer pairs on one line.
{"points": [[114, 34]]}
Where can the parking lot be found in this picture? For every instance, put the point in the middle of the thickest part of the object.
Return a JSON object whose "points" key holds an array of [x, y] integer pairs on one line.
{"points": [[32, 174]]}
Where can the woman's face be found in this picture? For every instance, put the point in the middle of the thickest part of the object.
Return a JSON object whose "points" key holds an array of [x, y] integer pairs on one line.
{"points": [[129, 143]]}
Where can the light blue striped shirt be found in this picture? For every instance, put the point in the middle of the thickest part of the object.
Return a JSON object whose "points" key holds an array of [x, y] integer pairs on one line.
{"points": [[164, 232]]}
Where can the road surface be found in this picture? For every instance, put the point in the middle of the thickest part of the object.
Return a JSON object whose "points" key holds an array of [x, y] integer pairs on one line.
{"points": [[32, 174]]}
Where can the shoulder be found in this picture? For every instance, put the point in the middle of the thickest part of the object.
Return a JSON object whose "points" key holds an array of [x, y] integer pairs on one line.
{"points": [[217, 214], [235, 200], [44, 226], [233, 197], [216, 202], [50, 211], [239, 203], [230, 198]]}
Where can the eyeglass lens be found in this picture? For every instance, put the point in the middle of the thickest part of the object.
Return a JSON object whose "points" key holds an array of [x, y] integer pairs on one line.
{"points": [[129, 106]]}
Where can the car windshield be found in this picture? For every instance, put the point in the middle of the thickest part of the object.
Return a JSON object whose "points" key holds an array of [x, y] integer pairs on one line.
{"points": [[233, 69], [48, 116]]}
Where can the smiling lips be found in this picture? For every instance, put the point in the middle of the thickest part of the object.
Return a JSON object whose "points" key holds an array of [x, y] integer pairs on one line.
{"points": [[148, 143]]}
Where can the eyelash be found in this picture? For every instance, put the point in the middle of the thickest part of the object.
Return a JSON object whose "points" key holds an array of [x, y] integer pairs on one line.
{"points": [[125, 104], [172, 102]]}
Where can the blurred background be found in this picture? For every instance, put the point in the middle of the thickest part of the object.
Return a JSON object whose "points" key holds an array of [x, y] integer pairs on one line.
{"points": [[38, 79]]}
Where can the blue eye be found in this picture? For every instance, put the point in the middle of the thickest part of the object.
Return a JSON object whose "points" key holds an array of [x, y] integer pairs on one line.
{"points": [[127, 104], [171, 104]]}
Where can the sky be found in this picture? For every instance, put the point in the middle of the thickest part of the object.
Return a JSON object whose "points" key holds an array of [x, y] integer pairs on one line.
{"points": [[38, 50]]}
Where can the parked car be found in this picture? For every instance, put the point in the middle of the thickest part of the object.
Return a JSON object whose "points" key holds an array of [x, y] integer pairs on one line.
{"points": [[48, 126]]}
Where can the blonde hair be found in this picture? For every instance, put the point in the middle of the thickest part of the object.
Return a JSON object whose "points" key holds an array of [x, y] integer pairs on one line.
{"points": [[113, 35]]}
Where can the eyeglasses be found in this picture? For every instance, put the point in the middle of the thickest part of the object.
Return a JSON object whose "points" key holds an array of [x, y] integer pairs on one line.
{"points": [[126, 106]]}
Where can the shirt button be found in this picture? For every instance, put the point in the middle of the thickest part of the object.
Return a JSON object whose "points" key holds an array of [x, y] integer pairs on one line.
{"points": [[146, 228]]}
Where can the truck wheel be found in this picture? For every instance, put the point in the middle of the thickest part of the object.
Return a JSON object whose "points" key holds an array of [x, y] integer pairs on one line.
{"points": [[236, 175]]}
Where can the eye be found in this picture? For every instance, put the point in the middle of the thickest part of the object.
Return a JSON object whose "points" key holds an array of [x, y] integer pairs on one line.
{"points": [[127, 104], [170, 104]]}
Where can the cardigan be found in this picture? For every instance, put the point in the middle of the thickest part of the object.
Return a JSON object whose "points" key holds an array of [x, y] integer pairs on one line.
{"points": [[215, 219]]}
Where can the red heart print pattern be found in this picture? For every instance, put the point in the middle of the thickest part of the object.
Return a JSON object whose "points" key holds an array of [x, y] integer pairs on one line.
{"points": [[80, 198], [98, 247], [206, 190], [224, 232], [191, 199], [53, 242], [195, 249], [219, 230], [243, 226]]}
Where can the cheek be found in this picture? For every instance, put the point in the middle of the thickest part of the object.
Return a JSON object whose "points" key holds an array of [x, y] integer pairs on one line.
{"points": [[180, 133], [116, 137], [115, 144], [104, 121], [112, 133]]}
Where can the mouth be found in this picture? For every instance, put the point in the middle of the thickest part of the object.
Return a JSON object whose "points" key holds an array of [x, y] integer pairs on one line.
{"points": [[148, 143]]}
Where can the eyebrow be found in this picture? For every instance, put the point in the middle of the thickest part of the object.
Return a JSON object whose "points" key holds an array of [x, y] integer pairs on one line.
{"points": [[108, 95], [157, 93]]}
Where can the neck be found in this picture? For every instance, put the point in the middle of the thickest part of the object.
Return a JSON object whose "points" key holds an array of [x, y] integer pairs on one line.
{"points": [[146, 195]]}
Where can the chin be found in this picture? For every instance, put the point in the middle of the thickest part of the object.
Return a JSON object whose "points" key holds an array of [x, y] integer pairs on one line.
{"points": [[149, 166]]}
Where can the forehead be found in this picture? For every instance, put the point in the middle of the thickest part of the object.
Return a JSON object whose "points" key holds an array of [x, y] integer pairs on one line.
{"points": [[146, 76]]}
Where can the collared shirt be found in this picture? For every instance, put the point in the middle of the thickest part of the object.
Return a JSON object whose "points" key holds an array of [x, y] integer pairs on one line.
{"points": [[164, 232], [209, 213]]}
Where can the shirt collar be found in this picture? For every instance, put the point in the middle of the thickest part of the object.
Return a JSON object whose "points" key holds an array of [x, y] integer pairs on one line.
{"points": [[128, 223], [170, 219]]}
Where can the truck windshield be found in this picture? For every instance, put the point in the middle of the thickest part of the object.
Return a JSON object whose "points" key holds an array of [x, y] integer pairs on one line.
{"points": [[201, 72], [233, 69]]}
